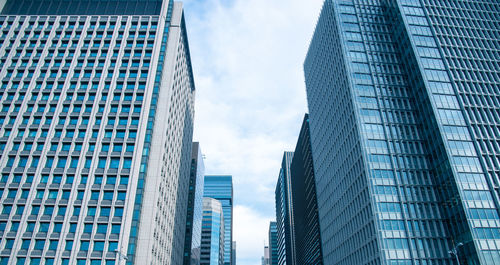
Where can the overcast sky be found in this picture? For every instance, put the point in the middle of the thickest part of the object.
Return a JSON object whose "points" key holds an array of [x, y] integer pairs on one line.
{"points": [[247, 58]]}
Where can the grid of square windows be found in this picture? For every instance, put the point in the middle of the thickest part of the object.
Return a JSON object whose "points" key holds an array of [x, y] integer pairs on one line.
{"points": [[71, 97]]}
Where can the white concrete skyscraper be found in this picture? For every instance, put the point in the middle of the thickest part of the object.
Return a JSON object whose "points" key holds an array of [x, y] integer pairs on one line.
{"points": [[96, 122]]}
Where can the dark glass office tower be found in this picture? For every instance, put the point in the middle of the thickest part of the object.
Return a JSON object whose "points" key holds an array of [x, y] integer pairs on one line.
{"points": [[194, 208], [221, 188], [305, 206], [403, 99], [96, 122], [284, 217], [273, 244]]}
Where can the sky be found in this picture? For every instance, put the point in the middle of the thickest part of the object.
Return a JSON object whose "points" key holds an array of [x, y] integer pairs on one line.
{"points": [[247, 58]]}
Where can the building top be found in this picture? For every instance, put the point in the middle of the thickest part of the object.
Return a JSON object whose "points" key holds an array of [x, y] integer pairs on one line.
{"points": [[219, 187], [82, 7]]}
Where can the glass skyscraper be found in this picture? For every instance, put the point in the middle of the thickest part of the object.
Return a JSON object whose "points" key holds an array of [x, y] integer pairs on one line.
{"points": [[212, 233], [284, 216], [221, 188], [273, 244], [194, 208], [96, 121], [404, 117]]}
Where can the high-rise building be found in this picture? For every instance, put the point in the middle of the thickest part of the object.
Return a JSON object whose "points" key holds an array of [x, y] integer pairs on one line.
{"points": [[305, 206], [265, 258], [273, 244], [403, 99], [212, 233], [97, 117], [284, 209], [221, 188], [233, 254], [194, 208]]}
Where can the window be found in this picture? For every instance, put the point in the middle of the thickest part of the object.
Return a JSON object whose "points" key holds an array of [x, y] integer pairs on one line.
{"points": [[84, 246], [127, 163], [115, 229], [87, 228], [99, 246], [113, 246], [69, 245], [102, 228], [30, 227], [91, 211], [115, 163], [74, 162], [118, 212], [44, 227], [61, 163], [105, 211], [25, 244], [102, 163], [48, 210], [39, 244], [57, 228]]}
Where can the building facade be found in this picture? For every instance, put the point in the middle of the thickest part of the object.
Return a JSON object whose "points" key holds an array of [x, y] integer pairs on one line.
{"points": [[212, 233], [305, 206], [273, 243], [194, 208], [284, 210], [403, 100], [233, 254], [92, 94], [221, 188], [265, 258]]}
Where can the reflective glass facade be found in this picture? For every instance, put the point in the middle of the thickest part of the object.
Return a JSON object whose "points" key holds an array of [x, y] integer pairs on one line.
{"points": [[403, 99], [85, 169], [221, 188], [212, 233], [284, 217], [83, 7], [194, 208], [273, 244]]}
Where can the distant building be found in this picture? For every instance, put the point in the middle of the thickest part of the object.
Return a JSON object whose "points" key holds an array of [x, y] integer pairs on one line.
{"points": [[305, 206], [284, 217], [233, 255], [404, 119], [273, 244], [265, 258], [212, 233], [194, 208], [221, 188]]}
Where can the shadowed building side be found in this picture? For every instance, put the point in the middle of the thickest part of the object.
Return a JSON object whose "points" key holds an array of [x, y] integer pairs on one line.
{"points": [[305, 207]]}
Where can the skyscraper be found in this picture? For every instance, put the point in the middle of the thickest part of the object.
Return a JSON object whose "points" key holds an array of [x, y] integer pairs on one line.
{"points": [[97, 119], [305, 206], [194, 208], [273, 244], [221, 188], [212, 233], [403, 99], [233, 253], [284, 217], [265, 258]]}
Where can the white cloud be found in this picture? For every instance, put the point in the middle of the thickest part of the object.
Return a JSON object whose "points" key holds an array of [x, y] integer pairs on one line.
{"points": [[247, 59], [249, 231]]}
